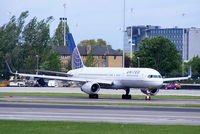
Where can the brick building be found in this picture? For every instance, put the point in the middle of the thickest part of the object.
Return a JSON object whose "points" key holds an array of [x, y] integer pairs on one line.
{"points": [[104, 56]]}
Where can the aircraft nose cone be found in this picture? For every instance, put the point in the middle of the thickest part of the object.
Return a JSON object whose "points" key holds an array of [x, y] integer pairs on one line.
{"points": [[159, 83]]}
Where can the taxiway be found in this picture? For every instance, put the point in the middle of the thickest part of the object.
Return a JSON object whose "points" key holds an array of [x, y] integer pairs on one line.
{"points": [[96, 113], [185, 92], [100, 100]]}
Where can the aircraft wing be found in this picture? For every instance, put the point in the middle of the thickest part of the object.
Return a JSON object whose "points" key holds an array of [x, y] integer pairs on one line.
{"points": [[180, 78], [109, 82], [54, 72], [65, 78], [175, 79]]}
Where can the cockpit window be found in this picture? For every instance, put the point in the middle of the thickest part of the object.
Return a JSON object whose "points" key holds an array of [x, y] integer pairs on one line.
{"points": [[154, 76]]}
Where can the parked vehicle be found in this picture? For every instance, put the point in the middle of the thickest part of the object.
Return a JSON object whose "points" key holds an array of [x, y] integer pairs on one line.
{"points": [[4, 83], [17, 84], [173, 86], [55, 83]]}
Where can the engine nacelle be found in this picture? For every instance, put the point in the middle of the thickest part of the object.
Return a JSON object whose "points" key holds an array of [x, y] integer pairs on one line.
{"points": [[90, 88], [150, 92]]}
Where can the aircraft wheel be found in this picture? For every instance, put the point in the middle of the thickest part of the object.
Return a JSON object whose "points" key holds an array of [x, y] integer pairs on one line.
{"points": [[93, 96], [148, 98], [124, 96]]}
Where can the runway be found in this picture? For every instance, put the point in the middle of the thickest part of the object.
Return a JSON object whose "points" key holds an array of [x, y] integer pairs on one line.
{"points": [[100, 100], [185, 92], [97, 113]]}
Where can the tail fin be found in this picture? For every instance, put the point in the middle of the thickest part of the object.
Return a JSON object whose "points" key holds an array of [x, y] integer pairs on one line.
{"points": [[76, 60]]}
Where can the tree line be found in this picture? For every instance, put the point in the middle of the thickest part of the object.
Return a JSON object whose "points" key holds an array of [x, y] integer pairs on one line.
{"points": [[21, 44], [24, 45]]}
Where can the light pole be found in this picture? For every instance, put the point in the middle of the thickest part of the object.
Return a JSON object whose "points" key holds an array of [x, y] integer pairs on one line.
{"points": [[124, 31], [131, 44], [64, 20], [131, 47], [183, 48], [64, 34], [37, 63], [138, 59]]}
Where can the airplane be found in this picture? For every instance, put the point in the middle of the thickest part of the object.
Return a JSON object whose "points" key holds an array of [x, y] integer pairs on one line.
{"points": [[92, 79]]}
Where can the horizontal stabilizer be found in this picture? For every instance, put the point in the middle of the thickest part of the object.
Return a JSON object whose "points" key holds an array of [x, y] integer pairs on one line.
{"points": [[9, 68]]}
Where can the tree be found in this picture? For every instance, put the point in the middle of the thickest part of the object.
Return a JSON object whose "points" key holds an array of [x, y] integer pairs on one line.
{"points": [[68, 66], [19, 44], [195, 64], [10, 37], [52, 62], [58, 39], [90, 61], [36, 40], [159, 53], [99, 42]]}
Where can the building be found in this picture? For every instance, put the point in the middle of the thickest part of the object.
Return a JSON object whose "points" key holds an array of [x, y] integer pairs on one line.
{"points": [[103, 56], [187, 40], [194, 42]]}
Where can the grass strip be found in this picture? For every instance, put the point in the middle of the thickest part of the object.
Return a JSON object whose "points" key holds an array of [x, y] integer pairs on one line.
{"points": [[100, 95], [58, 127]]}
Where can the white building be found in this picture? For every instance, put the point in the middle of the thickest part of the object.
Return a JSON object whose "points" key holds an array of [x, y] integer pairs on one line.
{"points": [[193, 43]]}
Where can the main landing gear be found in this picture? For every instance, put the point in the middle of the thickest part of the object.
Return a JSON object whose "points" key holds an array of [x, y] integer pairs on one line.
{"points": [[93, 96], [127, 95]]}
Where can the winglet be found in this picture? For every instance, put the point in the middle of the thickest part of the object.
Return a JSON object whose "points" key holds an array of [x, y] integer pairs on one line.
{"points": [[76, 60], [9, 68]]}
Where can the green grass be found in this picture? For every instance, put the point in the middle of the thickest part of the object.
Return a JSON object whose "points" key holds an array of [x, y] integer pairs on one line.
{"points": [[101, 95], [51, 127]]}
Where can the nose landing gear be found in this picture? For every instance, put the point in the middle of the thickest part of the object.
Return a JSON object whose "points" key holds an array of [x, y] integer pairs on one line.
{"points": [[148, 97]]}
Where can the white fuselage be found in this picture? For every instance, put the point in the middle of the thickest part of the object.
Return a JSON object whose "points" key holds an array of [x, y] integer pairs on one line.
{"points": [[121, 77]]}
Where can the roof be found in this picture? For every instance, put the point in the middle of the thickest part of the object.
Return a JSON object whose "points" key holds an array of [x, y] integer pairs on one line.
{"points": [[96, 51]]}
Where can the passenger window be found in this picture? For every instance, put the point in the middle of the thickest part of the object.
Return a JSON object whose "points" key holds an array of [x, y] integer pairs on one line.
{"points": [[154, 76]]}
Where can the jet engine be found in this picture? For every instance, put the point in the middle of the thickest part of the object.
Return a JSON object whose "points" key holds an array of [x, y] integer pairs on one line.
{"points": [[150, 92], [90, 88]]}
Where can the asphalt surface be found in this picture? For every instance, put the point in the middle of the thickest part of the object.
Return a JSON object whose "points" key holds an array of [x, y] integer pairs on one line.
{"points": [[96, 113], [100, 100], [185, 92]]}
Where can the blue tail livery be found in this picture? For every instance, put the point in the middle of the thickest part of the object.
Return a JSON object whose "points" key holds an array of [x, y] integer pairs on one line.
{"points": [[76, 60]]}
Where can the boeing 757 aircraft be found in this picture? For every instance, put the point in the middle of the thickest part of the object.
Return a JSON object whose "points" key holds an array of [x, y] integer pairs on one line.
{"points": [[94, 78]]}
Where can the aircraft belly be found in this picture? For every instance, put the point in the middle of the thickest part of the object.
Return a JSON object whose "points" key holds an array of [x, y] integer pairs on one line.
{"points": [[133, 84], [140, 84]]}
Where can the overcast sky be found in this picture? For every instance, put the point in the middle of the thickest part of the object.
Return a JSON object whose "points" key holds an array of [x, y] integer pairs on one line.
{"points": [[93, 19]]}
